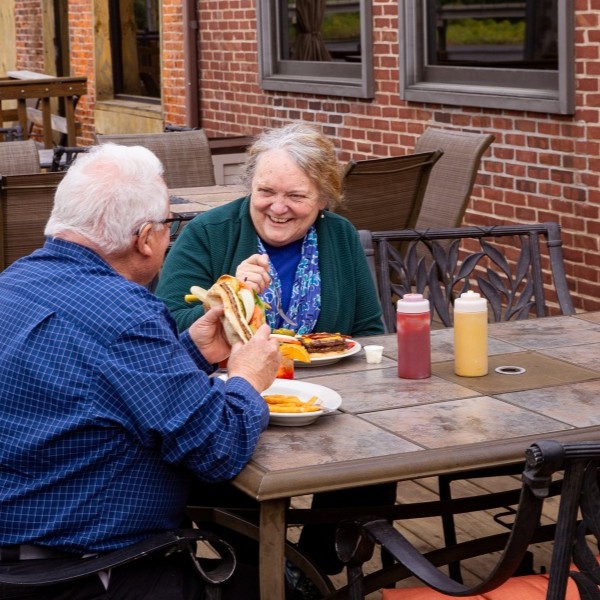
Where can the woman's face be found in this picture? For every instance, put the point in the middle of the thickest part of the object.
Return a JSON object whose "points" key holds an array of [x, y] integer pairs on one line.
{"points": [[284, 202]]}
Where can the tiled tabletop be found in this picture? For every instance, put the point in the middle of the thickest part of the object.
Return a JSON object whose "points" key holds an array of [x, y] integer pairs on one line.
{"points": [[201, 199], [390, 429]]}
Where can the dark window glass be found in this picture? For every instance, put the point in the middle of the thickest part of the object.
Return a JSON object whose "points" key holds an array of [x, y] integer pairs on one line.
{"points": [[509, 54], [320, 31], [321, 47], [135, 47], [486, 33]]}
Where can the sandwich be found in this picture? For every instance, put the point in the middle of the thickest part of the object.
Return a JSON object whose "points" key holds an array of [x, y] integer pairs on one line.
{"points": [[244, 309], [324, 343]]}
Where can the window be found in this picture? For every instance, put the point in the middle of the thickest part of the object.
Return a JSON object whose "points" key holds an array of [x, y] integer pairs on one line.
{"points": [[514, 54], [316, 46], [135, 48]]}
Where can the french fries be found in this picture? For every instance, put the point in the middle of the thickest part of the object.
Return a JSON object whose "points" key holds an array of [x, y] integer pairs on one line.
{"points": [[281, 403]]}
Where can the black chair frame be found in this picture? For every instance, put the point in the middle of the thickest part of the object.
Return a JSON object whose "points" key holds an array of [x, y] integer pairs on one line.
{"points": [[40, 573], [580, 492], [63, 156]]}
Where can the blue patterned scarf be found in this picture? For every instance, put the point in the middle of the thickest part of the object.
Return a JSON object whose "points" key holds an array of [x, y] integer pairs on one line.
{"points": [[305, 302]]}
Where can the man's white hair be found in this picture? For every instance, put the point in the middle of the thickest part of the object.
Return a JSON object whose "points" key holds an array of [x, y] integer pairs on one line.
{"points": [[107, 193]]}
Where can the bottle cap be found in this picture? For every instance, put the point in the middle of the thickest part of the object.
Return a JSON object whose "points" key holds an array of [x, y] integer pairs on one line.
{"points": [[470, 302], [412, 303]]}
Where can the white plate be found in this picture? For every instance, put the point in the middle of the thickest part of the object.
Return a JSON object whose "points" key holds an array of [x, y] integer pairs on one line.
{"points": [[328, 399], [321, 361]]}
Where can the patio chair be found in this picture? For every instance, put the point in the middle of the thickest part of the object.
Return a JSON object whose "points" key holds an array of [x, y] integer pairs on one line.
{"points": [[185, 155], [63, 156], [503, 262], [579, 461], [452, 178], [42, 573], [25, 205], [386, 193], [19, 158], [11, 134]]}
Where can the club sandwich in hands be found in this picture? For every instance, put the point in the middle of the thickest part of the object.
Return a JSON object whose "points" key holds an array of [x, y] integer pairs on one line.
{"points": [[244, 309]]}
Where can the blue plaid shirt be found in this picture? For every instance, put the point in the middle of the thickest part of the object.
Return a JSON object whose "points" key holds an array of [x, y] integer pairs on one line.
{"points": [[105, 414]]}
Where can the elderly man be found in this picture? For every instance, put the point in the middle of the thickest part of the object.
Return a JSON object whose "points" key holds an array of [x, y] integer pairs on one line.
{"points": [[106, 413]]}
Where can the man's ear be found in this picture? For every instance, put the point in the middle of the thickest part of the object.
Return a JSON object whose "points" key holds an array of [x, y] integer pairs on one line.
{"points": [[143, 242]]}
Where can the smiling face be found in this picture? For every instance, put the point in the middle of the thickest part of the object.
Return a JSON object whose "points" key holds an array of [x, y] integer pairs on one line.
{"points": [[284, 202]]}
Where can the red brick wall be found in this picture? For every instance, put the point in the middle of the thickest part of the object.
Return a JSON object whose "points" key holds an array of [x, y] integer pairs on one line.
{"points": [[81, 56], [173, 73], [540, 167], [29, 37]]}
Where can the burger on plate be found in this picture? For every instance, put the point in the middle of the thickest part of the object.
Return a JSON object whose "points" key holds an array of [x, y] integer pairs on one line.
{"points": [[324, 344]]}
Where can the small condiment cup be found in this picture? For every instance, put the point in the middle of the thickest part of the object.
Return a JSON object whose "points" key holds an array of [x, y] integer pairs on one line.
{"points": [[373, 353]]}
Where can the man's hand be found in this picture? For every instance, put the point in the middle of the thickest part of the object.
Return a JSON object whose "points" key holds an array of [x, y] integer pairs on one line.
{"points": [[257, 361], [254, 271], [208, 335]]}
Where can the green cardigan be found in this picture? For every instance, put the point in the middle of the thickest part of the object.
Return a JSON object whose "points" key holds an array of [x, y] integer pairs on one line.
{"points": [[216, 242]]}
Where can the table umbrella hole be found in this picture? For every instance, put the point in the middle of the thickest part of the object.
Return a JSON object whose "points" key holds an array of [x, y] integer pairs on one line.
{"points": [[510, 370]]}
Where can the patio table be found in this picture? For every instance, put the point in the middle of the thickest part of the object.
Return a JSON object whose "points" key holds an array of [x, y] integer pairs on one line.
{"points": [[200, 199], [390, 429]]}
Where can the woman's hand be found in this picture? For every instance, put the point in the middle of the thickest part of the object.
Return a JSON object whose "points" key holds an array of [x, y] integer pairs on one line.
{"points": [[208, 335], [254, 271]]}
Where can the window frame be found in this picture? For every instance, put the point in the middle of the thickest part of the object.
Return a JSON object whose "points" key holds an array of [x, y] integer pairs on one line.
{"points": [[353, 80], [511, 89]]}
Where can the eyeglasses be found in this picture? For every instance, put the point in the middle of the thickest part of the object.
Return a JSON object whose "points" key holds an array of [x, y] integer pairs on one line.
{"points": [[174, 223]]}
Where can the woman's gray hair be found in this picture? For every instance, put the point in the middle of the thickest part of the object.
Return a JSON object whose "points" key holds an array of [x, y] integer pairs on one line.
{"points": [[311, 150], [107, 193]]}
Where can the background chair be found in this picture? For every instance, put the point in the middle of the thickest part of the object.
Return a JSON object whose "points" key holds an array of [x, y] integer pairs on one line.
{"points": [[19, 158], [579, 461], [11, 134], [386, 193], [63, 156], [503, 262], [185, 155], [452, 178], [25, 205]]}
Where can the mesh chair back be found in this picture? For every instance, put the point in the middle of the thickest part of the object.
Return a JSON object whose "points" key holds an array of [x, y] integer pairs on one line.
{"points": [[185, 155], [505, 264], [386, 193], [452, 178], [25, 205], [19, 158]]}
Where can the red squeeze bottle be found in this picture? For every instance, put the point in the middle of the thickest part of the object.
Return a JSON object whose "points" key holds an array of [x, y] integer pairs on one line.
{"points": [[414, 342]]}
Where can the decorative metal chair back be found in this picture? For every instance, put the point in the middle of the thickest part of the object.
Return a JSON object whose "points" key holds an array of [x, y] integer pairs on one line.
{"points": [[580, 462], [19, 158], [386, 192], [185, 155], [453, 176], [506, 266]]}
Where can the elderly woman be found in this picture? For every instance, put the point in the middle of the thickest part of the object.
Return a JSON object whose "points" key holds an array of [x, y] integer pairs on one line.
{"points": [[281, 239]]}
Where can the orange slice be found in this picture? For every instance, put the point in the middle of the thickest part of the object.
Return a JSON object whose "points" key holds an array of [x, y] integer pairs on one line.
{"points": [[294, 351]]}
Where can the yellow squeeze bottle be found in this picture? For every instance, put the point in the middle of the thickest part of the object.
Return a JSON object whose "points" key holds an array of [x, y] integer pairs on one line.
{"points": [[470, 335]]}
